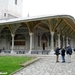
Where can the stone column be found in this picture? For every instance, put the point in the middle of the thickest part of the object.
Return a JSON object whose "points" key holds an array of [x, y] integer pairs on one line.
{"points": [[12, 48], [56, 43], [52, 40], [74, 42], [30, 42], [48, 44], [33, 41], [71, 42], [26, 43], [59, 40], [66, 41], [63, 41], [40, 43]]}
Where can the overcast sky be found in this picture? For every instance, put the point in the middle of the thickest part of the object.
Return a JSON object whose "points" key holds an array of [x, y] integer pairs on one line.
{"points": [[48, 7]]}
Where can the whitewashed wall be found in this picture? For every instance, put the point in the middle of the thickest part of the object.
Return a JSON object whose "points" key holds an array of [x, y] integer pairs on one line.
{"points": [[11, 10], [16, 10], [3, 7]]}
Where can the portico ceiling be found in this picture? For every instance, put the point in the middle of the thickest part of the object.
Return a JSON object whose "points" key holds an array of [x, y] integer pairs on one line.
{"points": [[63, 24]]}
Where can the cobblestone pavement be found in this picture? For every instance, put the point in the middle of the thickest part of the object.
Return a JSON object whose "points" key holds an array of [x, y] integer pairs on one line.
{"points": [[48, 66]]}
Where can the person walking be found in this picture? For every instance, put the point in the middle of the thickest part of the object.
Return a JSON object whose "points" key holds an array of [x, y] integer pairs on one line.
{"points": [[69, 53], [57, 53], [63, 54]]}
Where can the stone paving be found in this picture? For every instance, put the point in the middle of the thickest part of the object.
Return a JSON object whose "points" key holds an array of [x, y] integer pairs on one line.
{"points": [[47, 66]]}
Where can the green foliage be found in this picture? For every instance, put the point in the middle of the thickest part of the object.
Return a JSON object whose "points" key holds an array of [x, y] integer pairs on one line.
{"points": [[10, 64]]}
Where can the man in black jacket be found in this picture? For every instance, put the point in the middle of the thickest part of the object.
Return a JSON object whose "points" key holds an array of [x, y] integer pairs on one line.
{"points": [[57, 53], [69, 53]]}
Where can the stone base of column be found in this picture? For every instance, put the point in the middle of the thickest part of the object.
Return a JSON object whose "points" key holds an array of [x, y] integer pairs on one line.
{"points": [[2, 52], [52, 52], [13, 52], [29, 52]]}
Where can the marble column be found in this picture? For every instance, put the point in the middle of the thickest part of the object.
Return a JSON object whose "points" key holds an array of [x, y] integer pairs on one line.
{"points": [[59, 41], [63, 41], [52, 40], [12, 48], [66, 41], [71, 42], [56, 43], [30, 42]]}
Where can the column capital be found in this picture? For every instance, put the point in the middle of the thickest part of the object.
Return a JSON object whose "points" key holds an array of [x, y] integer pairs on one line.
{"points": [[30, 33], [12, 35], [52, 33]]}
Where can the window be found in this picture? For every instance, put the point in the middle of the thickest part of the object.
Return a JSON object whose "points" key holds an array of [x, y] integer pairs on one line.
{"points": [[16, 2], [4, 14]]}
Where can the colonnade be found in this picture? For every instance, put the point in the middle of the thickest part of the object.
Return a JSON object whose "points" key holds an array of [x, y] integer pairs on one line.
{"points": [[64, 43]]}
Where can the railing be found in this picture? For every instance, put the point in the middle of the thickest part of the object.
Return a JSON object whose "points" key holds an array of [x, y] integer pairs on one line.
{"points": [[26, 51], [40, 51]]}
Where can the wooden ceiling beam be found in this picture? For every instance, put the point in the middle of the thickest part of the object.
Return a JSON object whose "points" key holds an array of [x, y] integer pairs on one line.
{"points": [[27, 26], [69, 33], [50, 26], [9, 28], [42, 28], [63, 28], [57, 24], [69, 24]]}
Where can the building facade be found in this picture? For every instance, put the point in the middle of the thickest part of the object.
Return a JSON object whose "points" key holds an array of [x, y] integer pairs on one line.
{"points": [[39, 33], [10, 9]]}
